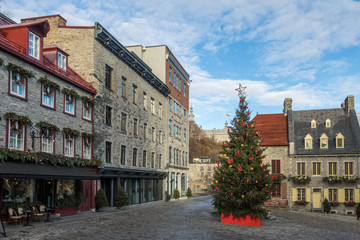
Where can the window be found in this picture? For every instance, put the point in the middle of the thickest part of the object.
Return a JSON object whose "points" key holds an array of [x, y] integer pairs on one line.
{"points": [[123, 155], [185, 135], [152, 102], [349, 168], [108, 152], [170, 127], [134, 156], [48, 96], [316, 169], [153, 134], [300, 168], [333, 194], [308, 141], [69, 104], [87, 111], [160, 137], [177, 82], [186, 159], [175, 155], [160, 110], [332, 168], [170, 74], [313, 123], [134, 94], [61, 61], [184, 114], [108, 116], [184, 89], [170, 108], [47, 143], [145, 100], [275, 166], [69, 145], [152, 160], [144, 159], [86, 148], [323, 141], [277, 191], [17, 85], [160, 157], [108, 71], [179, 86], [183, 159], [301, 194], [123, 87], [16, 136], [169, 154], [339, 139], [145, 131], [349, 195], [34, 45], [123, 123], [135, 127], [328, 123]]}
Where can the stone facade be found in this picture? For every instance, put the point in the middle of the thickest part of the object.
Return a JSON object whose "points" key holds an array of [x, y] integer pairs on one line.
{"points": [[219, 135], [95, 60], [201, 177]]}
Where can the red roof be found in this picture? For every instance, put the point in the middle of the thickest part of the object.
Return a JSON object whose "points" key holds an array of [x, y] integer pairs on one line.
{"points": [[69, 76], [272, 128], [43, 25]]}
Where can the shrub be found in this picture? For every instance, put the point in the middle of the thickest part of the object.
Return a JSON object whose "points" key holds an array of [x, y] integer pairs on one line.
{"points": [[358, 210], [188, 193], [121, 198], [100, 199], [327, 207], [176, 193]]}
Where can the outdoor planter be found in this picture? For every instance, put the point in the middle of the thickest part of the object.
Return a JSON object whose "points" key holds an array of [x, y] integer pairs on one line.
{"points": [[334, 203], [301, 179], [67, 211], [301, 202], [247, 221], [349, 203]]}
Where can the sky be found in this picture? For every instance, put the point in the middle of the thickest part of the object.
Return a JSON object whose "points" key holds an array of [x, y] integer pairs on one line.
{"points": [[307, 50]]}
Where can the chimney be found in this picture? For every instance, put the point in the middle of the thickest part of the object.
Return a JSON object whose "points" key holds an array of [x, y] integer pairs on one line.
{"points": [[287, 105], [349, 104]]}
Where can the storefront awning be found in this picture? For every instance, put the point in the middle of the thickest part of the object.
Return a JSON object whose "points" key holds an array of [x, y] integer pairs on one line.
{"points": [[37, 171], [109, 172]]}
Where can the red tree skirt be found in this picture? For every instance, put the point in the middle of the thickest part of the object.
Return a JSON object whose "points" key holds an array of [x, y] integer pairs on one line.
{"points": [[248, 221]]}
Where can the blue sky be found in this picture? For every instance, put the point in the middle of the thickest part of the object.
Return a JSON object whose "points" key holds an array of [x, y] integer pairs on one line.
{"points": [[305, 50]]}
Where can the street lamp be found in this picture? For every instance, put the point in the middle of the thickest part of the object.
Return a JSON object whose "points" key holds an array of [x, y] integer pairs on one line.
{"points": [[35, 133]]}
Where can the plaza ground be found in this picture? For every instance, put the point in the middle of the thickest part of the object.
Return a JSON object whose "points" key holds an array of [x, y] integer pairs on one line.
{"points": [[187, 219]]}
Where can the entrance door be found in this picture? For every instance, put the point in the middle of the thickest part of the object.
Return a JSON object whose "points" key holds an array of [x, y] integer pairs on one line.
{"points": [[86, 195], [317, 199]]}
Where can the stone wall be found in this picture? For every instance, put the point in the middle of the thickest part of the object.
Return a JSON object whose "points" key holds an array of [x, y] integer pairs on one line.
{"points": [[201, 177]]}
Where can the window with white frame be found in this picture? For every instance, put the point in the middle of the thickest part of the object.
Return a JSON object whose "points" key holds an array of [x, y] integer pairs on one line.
{"points": [[69, 104], [349, 168], [349, 195], [48, 96], [62, 61], [47, 143], [333, 194], [16, 136], [69, 145], [87, 110], [301, 194], [34, 45], [86, 148], [17, 85]]}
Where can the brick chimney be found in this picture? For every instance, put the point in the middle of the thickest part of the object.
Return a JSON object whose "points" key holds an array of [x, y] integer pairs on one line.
{"points": [[349, 104], [287, 105]]}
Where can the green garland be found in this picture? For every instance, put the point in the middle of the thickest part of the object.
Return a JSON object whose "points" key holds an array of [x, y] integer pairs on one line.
{"points": [[47, 125], [13, 118], [15, 69], [72, 93], [45, 158], [89, 136], [1, 62], [301, 179], [87, 100], [71, 132], [46, 82], [332, 179]]}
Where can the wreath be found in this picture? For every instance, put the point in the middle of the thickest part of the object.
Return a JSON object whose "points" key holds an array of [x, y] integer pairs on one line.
{"points": [[88, 138], [17, 81], [17, 122], [69, 99], [47, 129], [16, 70], [88, 103], [17, 126], [49, 91], [70, 95]]}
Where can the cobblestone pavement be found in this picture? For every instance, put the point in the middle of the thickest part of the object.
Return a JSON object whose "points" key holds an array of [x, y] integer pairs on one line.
{"points": [[188, 219]]}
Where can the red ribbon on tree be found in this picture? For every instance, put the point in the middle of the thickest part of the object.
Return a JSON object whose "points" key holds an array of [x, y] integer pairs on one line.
{"points": [[243, 125], [240, 168], [247, 134], [232, 194], [247, 180], [223, 179], [228, 129], [251, 158], [218, 164], [230, 161], [255, 152], [238, 152]]}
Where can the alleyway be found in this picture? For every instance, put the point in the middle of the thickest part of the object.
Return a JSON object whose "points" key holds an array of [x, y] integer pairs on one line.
{"points": [[188, 219]]}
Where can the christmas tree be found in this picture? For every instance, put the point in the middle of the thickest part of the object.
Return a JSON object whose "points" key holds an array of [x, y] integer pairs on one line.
{"points": [[242, 182]]}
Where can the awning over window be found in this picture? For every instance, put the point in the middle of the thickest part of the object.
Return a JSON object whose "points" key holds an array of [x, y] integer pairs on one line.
{"points": [[130, 173], [37, 171]]}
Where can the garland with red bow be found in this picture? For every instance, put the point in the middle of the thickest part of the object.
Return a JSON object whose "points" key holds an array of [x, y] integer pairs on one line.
{"points": [[17, 122]]}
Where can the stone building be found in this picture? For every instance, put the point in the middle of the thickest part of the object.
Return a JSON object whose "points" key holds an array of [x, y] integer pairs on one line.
{"points": [[130, 118], [201, 176], [324, 156], [219, 135], [46, 123], [169, 70], [273, 130]]}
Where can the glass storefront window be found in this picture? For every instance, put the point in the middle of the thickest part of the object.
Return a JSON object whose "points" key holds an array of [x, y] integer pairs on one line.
{"points": [[18, 190], [65, 189]]}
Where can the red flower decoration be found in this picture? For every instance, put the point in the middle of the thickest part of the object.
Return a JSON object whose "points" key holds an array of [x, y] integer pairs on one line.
{"points": [[251, 158], [247, 180], [230, 161], [238, 152], [240, 169], [247, 134], [223, 179], [256, 152]]}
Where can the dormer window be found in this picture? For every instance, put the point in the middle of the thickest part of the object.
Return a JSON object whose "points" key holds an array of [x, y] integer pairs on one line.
{"points": [[34, 45], [323, 141], [328, 123], [313, 123], [308, 141], [339, 139], [61, 61]]}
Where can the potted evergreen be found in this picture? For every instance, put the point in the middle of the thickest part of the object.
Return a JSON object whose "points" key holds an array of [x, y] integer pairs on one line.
{"points": [[358, 211], [121, 198], [327, 207], [100, 199], [176, 194], [188, 193]]}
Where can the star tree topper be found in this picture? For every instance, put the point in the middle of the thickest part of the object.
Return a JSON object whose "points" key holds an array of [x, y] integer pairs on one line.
{"points": [[241, 90]]}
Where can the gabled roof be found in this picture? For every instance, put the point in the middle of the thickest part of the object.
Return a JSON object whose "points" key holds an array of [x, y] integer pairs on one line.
{"points": [[43, 26], [340, 123], [272, 128]]}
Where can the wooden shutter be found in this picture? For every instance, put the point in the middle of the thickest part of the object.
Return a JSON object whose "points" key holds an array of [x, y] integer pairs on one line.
{"points": [[341, 196], [283, 190], [294, 194]]}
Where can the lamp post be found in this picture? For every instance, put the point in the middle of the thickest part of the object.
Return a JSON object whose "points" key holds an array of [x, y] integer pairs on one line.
{"points": [[35, 133]]}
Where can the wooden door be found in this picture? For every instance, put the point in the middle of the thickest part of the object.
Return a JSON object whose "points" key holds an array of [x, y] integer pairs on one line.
{"points": [[317, 200]]}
